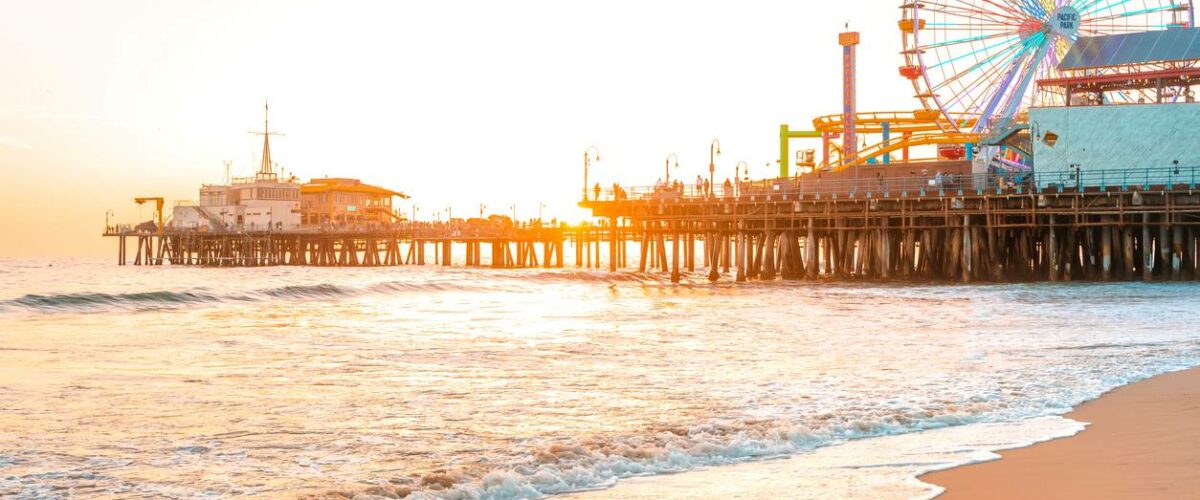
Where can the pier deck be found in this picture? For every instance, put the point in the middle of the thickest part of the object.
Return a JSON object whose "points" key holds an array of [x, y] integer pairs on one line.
{"points": [[958, 229], [1094, 226], [394, 245]]}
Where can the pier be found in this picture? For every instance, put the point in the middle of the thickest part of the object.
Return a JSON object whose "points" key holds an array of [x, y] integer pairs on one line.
{"points": [[962, 228], [402, 244], [967, 228]]}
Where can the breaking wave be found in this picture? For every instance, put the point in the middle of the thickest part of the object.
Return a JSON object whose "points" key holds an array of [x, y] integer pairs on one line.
{"points": [[167, 299], [96, 301], [515, 282], [551, 467]]}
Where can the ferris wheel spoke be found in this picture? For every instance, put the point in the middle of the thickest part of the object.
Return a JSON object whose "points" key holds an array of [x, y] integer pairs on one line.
{"points": [[973, 69], [1126, 28], [973, 28], [957, 15], [1033, 9], [1014, 13], [968, 7], [1050, 68], [971, 106], [986, 79], [1100, 6], [966, 40], [1090, 20], [970, 12], [968, 54], [1019, 68]]}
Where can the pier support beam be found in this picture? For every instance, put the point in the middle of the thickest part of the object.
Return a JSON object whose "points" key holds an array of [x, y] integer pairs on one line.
{"points": [[1177, 246], [810, 251], [1051, 251], [967, 250], [741, 253], [675, 242], [1106, 233], [714, 265], [1147, 249]]}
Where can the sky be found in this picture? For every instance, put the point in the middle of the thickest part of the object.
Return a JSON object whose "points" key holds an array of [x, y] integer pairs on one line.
{"points": [[456, 103]]}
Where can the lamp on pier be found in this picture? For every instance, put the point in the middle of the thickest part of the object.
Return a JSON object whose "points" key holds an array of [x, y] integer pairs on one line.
{"points": [[741, 167], [590, 154], [669, 158], [714, 150]]}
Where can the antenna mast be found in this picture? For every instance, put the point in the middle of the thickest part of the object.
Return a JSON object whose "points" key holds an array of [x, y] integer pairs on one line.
{"points": [[266, 168]]}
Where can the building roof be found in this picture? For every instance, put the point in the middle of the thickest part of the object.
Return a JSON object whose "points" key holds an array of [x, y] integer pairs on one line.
{"points": [[1176, 44], [345, 185]]}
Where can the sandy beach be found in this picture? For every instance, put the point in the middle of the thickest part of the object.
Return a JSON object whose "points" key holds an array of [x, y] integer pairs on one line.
{"points": [[1141, 442]]}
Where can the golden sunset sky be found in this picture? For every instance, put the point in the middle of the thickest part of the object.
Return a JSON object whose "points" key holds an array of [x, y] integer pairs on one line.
{"points": [[455, 103]]}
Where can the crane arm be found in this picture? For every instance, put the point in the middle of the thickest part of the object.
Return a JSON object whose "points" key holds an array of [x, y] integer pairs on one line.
{"points": [[158, 209]]}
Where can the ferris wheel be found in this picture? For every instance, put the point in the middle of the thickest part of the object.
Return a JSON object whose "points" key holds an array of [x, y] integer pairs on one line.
{"points": [[977, 60]]}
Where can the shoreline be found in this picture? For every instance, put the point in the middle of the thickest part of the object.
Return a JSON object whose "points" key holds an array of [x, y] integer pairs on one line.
{"points": [[1140, 442], [1143, 426]]}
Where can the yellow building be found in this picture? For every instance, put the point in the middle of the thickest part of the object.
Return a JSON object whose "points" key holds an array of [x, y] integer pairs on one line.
{"points": [[335, 201]]}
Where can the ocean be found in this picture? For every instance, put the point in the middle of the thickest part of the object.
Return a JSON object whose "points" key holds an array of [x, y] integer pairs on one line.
{"points": [[439, 382]]}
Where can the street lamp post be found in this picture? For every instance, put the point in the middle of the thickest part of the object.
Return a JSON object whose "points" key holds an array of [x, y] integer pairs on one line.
{"points": [[481, 208], [714, 150], [669, 157], [592, 153], [737, 176]]}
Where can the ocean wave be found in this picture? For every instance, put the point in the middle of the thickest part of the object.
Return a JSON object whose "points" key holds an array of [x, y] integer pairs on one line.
{"points": [[96, 301], [571, 276], [573, 465], [85, 302], [167, 299], [563, 467]]}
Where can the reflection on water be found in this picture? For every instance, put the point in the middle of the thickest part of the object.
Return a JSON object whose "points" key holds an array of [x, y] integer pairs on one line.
{"points": [[284, 381]]}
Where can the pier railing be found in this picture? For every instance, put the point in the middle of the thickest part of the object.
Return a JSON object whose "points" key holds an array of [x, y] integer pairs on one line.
{"points": [[412, 230], [1076, 180]]}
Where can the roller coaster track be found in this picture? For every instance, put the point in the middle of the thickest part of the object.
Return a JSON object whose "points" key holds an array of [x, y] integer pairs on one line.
{"points": [[898, 143], [906, 129], [899, 122]]}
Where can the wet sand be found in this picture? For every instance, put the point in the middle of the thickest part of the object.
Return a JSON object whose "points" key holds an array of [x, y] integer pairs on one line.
{"points": [[1142, 441]]}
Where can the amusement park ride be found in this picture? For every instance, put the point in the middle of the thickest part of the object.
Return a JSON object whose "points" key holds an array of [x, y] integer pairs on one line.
{"points": [[972, 64]]}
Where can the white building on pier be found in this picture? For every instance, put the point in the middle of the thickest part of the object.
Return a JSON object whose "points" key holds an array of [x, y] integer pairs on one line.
{"points": [[264, 202]]}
